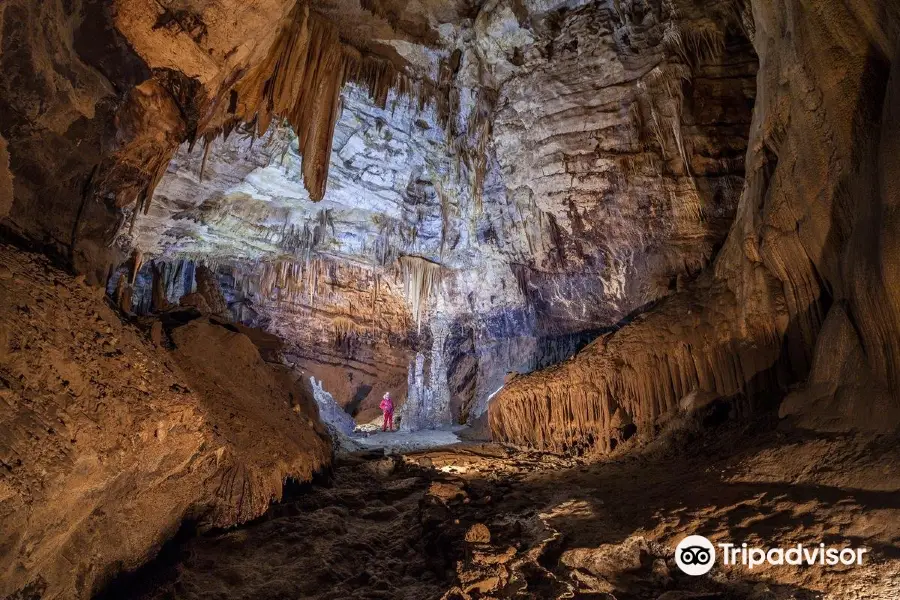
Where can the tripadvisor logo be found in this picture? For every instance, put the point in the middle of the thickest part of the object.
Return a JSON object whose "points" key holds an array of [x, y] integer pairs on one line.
{"points": [[696, 555]]}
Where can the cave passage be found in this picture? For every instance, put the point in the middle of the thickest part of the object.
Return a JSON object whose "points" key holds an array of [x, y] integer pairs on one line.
{"points": [[451, 299]]}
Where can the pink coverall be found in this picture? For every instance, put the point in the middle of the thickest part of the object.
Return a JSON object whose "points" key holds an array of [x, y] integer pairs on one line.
{"points": [[387, 407]]}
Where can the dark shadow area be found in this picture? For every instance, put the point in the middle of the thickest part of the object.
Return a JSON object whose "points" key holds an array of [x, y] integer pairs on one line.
{"points": [[155, 572], [391, 527], [176, 550], [362, 392]]}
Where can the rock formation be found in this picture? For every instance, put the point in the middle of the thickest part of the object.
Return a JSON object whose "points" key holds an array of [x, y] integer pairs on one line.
{"points": [[6, 180], [106, 437], [567, 222], [803, 251], [641, 170], [331, 413]]}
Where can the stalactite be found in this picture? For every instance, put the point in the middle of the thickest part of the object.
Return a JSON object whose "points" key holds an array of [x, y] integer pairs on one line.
{"points": [[679, 143], [480, 123], [379, 77], [441, 189], [137, 260], [157, 168], [124, 294], [655, 124], [385, 251], [665, 109], [206, 145], [375, 7], [741, 13], [419, 277], [298, 281], [645, 370], [305, 240], [695, 42], [345, 333], [300, 82]]}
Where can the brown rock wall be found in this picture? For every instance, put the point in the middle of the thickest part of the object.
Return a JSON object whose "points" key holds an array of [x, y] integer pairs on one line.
{"points": [[625, 146], [104, 437], [797, 243]]}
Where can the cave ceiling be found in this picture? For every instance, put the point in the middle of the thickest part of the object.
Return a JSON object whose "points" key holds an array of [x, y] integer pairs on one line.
{"points": [[527, 151]]}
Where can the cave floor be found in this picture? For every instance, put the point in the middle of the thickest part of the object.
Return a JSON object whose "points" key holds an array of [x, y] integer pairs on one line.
{"points": [[483, 521], [407, 441]]}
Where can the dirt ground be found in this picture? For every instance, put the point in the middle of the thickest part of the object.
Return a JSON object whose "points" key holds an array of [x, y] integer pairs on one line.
{"points": [[483, 521]]}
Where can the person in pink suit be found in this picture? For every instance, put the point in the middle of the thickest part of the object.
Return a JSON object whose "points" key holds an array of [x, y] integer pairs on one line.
{"points": [[387, 407]]}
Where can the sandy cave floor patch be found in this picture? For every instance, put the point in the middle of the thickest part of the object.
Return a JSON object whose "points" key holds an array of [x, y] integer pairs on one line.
{"points": [[482, 521]]}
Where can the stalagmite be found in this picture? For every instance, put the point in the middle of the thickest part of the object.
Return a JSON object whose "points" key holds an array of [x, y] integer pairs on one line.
{"points": [[124, 294], [208, 287], [428, 397], [159, 302]]}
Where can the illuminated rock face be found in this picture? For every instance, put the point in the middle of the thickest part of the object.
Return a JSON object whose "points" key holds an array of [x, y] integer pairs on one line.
{"points": [[527, 175], [112, 441], [546, 171], [610, 169], [628, 153]]}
